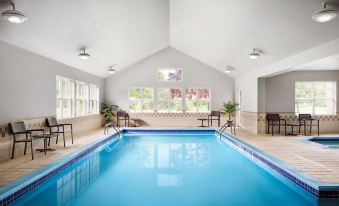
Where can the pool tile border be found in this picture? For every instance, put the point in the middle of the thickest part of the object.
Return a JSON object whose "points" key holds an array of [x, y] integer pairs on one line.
{"points": [[87, 150], [318, 191]]}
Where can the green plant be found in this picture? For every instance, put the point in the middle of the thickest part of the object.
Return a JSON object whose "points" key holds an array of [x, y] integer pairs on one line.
{"points": [[230, 108], [107, 111]]}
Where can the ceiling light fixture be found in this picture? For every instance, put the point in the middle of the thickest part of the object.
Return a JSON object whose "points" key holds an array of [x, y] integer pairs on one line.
{"points": [[84, 55], [229, 69], [13, 15], [111, 70], [254, 55], [325, 15]]}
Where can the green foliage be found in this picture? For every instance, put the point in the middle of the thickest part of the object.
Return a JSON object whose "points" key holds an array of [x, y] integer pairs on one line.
{"points": [[108, 111], [230, 108]]}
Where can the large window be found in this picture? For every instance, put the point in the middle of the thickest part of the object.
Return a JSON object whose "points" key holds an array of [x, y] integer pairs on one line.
{"points": [[93, 99], [169, 75], [141, 99], [64, 97], [197, 100], [75, 98], [317, 98], [81, 103], [169, 100]]}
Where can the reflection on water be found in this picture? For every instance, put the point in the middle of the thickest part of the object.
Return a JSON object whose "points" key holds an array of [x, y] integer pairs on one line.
{"points": [[75, 182], [169, 155], [169, 180]]}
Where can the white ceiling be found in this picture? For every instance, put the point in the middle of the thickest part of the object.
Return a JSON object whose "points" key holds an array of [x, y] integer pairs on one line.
{"points": [[327, 63], [122, 32], [113, 31]]}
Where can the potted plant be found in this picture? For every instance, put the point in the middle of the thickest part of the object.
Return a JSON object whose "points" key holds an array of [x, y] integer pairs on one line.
{"points": [[107, 111], [230, 109]]}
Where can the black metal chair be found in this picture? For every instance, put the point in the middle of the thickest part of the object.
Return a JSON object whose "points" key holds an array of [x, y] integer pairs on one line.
{"points": [[122, 115], [274, 120], [214, 116], [17, 128], [55, 128], [307, 120]]}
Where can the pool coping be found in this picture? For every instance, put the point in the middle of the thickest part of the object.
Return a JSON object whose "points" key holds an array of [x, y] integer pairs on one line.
{"points": [[17, 188]]}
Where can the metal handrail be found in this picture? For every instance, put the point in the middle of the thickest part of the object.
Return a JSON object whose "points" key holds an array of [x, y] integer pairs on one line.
{"points": [[115, 127]]}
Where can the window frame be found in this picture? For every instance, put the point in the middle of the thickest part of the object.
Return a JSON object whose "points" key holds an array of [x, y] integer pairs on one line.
{"points": [[142, 100], [314, 99], [169, 101], [197, 110], [161, 69], [96, 99], [74, 99]]}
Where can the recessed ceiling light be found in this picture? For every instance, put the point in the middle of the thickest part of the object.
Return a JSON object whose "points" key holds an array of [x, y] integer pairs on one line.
{"points": [[84, 55], [229, 69], [254, 55], [324, 15], [13, 15], [111, 70]]}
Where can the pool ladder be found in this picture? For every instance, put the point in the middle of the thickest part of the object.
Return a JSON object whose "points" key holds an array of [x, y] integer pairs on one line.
{"points": [[114, 126], [225, 126]]}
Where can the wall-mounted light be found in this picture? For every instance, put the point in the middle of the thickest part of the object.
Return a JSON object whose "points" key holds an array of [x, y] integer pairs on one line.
{"points": [[84, 55], [111, 70], [254, 55], [14, 16], [324, 15]]}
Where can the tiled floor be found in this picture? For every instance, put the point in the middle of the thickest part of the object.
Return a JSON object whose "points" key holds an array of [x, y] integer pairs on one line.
{"points": [[318, 162]]}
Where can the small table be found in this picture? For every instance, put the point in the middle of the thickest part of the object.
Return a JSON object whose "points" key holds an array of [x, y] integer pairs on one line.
{"points": [[292, 127], [202, 122], [135, 120], [48, 149]]}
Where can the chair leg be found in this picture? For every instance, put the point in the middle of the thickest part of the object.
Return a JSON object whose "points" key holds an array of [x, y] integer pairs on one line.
{"points": [[25, 148], [304, 129], [268, 128], [272, 129], [13, 148], [49, 141], [72, 136], [279, 127], [63, 136], [56, 141], [45, 145], [318, 129], [310, 129], [32, 151]]}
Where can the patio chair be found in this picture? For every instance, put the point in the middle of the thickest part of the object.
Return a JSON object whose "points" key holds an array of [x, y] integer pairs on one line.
{"points": [[307, 120], [55, 128], [274, 120], [17, 128], [214, 116], [122, 115]]}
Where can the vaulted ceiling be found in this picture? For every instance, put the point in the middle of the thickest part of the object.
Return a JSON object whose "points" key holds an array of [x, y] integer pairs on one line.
{"points": [[122, 32]]}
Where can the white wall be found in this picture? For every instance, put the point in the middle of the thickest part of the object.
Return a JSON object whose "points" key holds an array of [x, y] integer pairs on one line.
{"points": [[143, 74], [27, 83], [248, 85], [279, 91]]}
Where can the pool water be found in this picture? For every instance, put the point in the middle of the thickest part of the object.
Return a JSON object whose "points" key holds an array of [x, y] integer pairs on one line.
{"points": [[179, 170], [333, 143]]}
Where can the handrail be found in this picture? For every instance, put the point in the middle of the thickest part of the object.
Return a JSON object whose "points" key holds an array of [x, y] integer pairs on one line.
{"points": [[224, 127], [115, 127]]}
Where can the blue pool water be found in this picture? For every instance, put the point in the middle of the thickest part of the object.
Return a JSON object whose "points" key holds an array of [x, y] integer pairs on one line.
{"points": [[171, 170], [332, 142]]}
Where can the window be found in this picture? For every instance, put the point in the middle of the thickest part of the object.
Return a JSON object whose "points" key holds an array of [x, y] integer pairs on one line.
{"points": [[197, 100], [169, 100], [75, 98], [317, 98], [169, 75], [93, 99], [81, 103], [64, 97], [141, 99]]}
